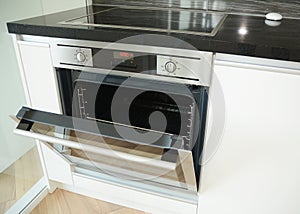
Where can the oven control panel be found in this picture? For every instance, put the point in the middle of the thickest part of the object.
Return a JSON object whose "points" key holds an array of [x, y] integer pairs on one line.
{"points": [[178, 66]]}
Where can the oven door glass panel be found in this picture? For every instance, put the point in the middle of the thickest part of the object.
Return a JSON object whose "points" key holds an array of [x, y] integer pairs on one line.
{"points": [[159, 164]]}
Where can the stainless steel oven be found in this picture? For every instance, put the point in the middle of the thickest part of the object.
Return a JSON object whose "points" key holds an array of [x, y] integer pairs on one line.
{"points": [[131, 114]]}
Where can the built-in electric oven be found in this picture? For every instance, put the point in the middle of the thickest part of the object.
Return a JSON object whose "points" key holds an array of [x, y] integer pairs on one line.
{"points": [[134, 114]]}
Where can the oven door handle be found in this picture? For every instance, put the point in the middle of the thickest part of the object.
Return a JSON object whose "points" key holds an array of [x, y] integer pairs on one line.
{"points": [[99, 128], [98, 150]]}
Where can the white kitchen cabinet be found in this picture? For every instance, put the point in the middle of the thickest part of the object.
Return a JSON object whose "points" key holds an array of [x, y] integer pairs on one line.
{"points": [[58, 167], [255, 166], [39, 76], [40, 87]]}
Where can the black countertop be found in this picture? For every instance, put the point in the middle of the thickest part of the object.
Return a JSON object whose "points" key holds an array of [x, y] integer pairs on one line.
{"points": [[239, 34]]}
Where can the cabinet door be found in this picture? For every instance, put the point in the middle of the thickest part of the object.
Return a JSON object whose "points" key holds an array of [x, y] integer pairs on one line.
{"points": [[256, 166], [41, 91], [39, 76]]}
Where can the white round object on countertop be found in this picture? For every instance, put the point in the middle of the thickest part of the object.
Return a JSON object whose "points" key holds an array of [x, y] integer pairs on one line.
{"points": [[274, 16], [272, 23]]}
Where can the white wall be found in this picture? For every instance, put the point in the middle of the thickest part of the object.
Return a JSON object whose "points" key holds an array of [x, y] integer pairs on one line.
{"points": [[52, 6], [12, 96]]}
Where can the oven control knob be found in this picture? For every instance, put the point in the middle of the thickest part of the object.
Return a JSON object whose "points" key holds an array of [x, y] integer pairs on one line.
{"points": [[170, 67], [80, 57]]}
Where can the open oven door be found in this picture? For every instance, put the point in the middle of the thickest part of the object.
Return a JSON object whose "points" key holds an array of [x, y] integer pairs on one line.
{"points": [[99, 145]]}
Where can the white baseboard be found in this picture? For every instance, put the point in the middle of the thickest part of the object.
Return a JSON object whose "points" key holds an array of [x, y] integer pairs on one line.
{"points": [[31, 199]]}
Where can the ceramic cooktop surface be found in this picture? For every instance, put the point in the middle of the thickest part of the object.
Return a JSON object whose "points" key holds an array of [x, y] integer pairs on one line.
{"points": [[162, 20]]}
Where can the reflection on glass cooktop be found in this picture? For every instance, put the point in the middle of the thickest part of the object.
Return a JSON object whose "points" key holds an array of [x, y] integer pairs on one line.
{"points": [[160, 20]]}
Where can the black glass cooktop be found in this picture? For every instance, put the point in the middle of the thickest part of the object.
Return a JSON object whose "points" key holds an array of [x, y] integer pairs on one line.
{"points": [[161, 20]]}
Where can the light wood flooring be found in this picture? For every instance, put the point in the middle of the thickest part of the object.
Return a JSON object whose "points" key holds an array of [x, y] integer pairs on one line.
{"points": [[64, 202], [16, 180]]}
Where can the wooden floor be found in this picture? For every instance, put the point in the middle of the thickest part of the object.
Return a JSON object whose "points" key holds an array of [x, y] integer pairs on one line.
{"points": [[64, 202], [16, 180]]}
